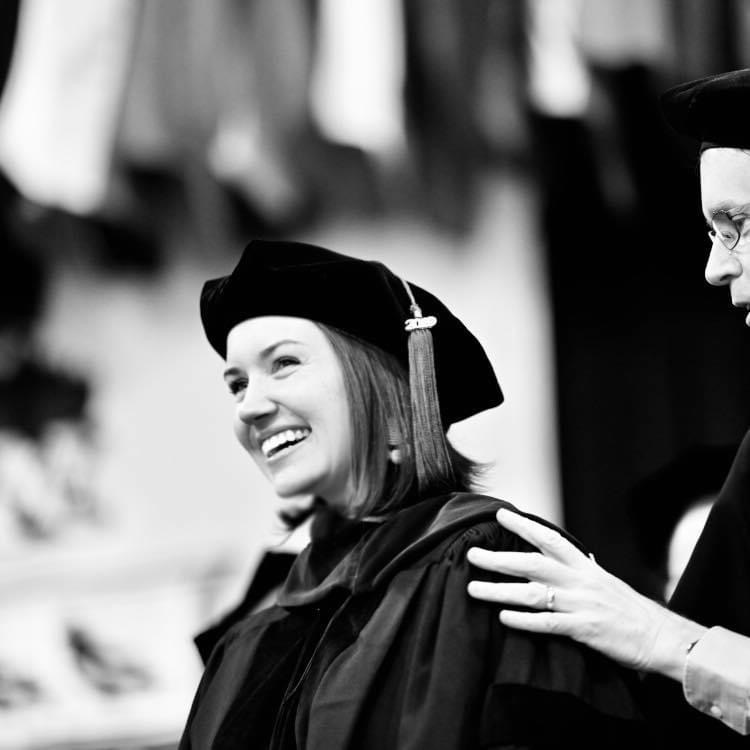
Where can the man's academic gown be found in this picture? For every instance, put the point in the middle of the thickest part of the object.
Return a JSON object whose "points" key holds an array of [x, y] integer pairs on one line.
{"points": [[375, 643], [713, 590]]}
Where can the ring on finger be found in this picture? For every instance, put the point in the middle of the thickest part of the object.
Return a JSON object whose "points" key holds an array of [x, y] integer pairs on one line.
{"points": [[550, 602]]}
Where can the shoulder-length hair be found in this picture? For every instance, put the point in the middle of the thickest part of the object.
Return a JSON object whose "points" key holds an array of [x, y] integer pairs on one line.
{"points": [[377, 388]]}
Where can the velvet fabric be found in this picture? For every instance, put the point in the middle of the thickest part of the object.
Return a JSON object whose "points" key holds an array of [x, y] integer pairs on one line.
{"points": [[374, 643], [714, 109], [360, 297]]}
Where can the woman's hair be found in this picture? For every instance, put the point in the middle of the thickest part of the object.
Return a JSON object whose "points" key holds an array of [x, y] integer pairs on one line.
{"points": [[377, 388]]}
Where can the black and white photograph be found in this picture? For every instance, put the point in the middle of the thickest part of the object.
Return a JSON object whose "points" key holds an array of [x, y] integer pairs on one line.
{"points": [[374, 374]]}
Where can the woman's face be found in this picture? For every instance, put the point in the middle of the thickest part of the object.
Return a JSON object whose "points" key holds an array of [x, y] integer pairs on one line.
{"points": [[292, 413]]}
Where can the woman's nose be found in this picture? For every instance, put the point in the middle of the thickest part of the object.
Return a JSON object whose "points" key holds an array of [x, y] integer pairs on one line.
{"points": [[256, 404], [722, 265]]}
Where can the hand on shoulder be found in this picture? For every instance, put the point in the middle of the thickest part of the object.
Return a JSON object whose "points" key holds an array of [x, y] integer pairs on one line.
{"points": [[565, 592]]}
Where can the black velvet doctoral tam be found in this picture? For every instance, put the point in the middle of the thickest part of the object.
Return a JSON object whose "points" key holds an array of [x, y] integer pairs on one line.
{"points": [[714, 109], [360, 297]]}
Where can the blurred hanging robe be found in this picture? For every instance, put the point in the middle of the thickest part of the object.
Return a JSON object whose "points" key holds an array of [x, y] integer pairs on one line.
{"points": [[356, 88], [62, 99], [374, 643]]}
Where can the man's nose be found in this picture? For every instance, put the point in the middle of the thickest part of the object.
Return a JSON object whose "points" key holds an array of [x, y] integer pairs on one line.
{"points": [[722, 266]]}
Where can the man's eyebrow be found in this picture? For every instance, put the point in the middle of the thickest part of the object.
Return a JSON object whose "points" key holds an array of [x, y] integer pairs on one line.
{"points": [[738, 208], [265, 353], [711, 211], [727, 207]]}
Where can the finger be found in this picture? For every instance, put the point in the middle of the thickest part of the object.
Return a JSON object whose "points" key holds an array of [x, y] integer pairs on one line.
{"points": [[553, 623], [547, 540], [532, 595], [531, 565]]}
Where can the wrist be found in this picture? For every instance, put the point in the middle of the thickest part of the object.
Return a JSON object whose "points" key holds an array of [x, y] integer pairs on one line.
{"points": [[675, 639]]}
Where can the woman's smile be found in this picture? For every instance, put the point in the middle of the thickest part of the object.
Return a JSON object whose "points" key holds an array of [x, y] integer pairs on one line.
{"points": [[282, 442]]}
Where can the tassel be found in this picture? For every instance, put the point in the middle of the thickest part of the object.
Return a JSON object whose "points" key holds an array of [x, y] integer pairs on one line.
{"points": [[430, 447]]}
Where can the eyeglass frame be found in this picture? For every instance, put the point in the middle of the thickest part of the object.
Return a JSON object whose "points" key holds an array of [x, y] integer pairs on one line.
{"points": [[729, 225]]}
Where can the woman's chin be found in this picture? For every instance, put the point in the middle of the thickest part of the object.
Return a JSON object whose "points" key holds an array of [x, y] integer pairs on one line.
{"points": [[290, 501]]}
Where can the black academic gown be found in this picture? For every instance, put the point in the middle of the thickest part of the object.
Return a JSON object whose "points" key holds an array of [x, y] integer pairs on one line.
{"points": [[715, 587], [713, 590], [375, 643]]}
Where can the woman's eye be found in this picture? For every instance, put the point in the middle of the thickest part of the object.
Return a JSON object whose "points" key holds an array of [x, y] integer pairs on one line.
{"points": [[237, 386], [281, 363]]}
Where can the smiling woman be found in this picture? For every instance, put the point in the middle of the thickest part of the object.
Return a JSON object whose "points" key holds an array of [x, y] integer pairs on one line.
{"points": [[292, 413], [344, 391]]}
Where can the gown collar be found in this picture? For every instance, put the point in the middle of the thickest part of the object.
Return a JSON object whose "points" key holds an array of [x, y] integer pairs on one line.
{"points": [[359, 556]]}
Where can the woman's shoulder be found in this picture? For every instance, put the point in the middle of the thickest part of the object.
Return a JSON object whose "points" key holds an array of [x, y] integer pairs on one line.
{"points": [[481, 529], [444, 528]]}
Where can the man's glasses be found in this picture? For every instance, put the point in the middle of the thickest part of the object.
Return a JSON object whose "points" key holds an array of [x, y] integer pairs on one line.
{"points": [[728, 230]]}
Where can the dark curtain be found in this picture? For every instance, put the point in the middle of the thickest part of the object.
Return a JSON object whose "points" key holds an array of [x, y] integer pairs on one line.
{"points": [[650, 359]]}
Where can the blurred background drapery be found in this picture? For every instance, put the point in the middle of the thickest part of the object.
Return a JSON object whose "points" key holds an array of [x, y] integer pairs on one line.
{"points": [[507, 154]]}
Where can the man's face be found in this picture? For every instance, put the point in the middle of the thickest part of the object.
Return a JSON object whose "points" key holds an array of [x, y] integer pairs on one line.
{"points": [[725, 187]]}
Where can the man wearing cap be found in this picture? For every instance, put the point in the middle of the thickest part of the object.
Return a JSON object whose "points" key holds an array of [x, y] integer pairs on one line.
{"points": [[569, 594]]}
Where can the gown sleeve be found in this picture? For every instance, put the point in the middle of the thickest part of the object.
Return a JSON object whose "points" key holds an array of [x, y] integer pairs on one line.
{"points": [[715, 587], [435, 668], [714, 590]]}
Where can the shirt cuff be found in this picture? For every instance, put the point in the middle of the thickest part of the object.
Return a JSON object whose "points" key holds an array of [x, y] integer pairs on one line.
{"points": [[717, 678]]}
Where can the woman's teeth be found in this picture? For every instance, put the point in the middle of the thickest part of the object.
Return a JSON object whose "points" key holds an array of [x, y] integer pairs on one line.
{"points": [[281, 440]]}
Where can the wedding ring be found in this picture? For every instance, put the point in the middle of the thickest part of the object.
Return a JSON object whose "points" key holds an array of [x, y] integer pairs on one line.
{"points": [[550, 598]]}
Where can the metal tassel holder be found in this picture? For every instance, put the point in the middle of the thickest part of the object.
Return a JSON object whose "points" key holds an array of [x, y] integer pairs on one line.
{"points": [[430, 446]]}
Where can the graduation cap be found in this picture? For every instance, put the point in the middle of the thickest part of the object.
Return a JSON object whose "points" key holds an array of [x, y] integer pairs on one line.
{"points": [[714, 109], [450, 375]]}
